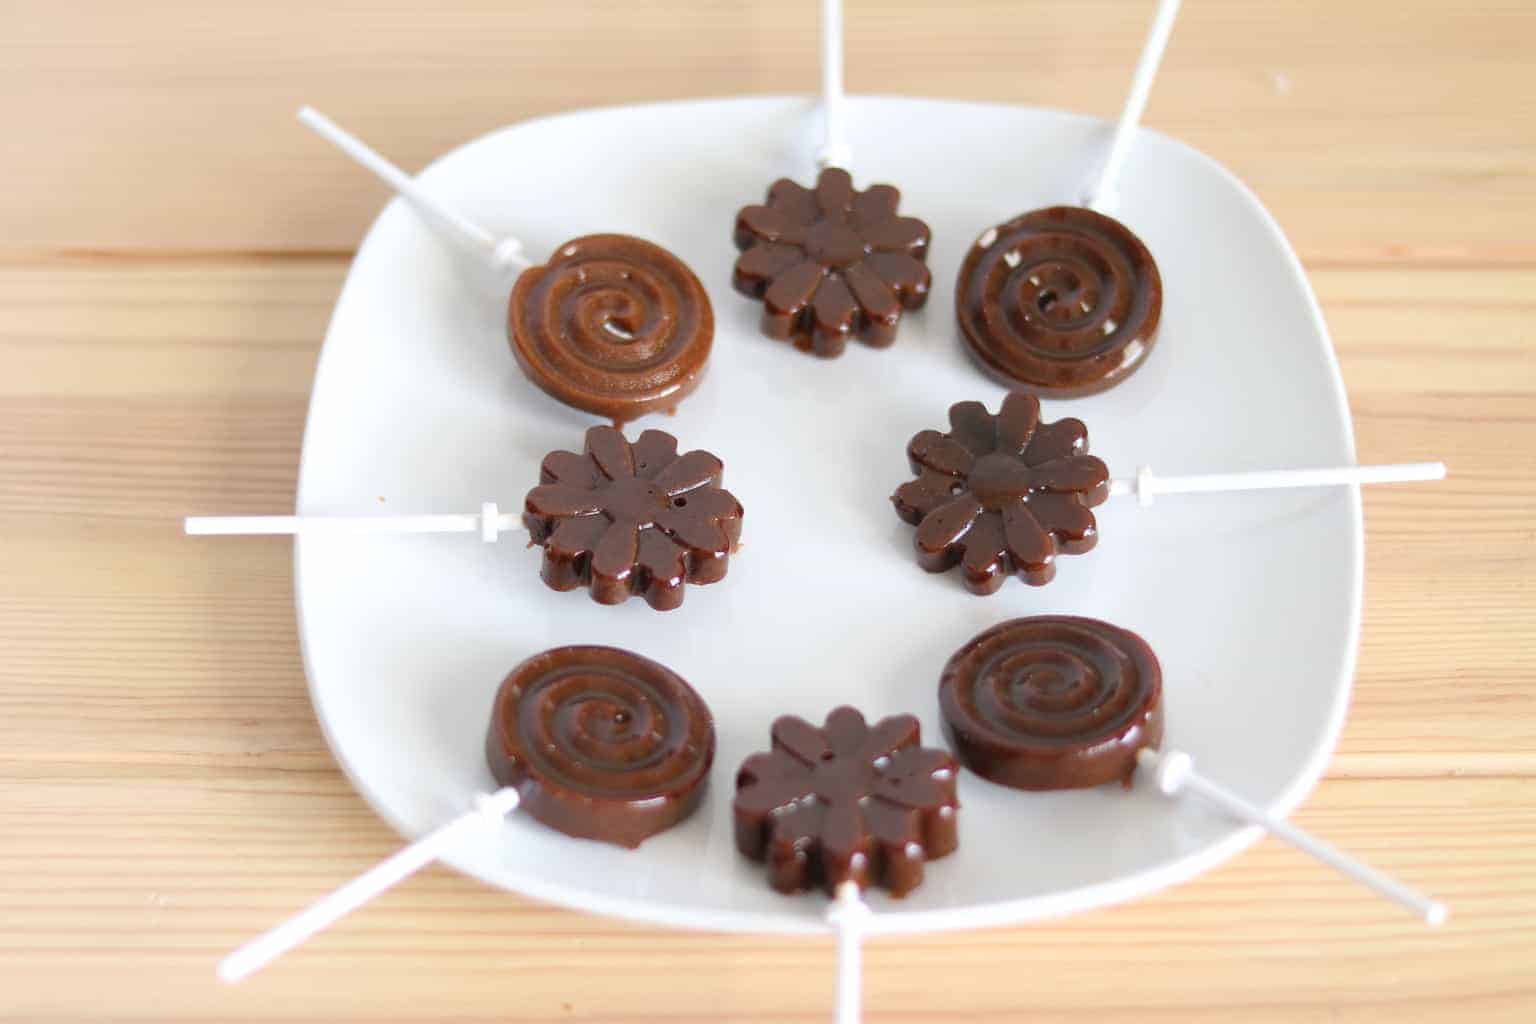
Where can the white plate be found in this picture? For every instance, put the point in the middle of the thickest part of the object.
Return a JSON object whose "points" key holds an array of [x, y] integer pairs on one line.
{"points": [[1251, 601]]}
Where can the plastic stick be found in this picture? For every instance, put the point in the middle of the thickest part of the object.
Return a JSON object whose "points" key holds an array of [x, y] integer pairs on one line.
{"points": [[1174, 773], [507, 252], [834, 151], [265, 948], [849, 915], [1147, 486], [489, 522], [1103, 193]]}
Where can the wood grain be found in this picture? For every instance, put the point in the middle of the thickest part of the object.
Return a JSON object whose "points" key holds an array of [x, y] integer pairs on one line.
{"points": [[170, 247], [1373, 134]]}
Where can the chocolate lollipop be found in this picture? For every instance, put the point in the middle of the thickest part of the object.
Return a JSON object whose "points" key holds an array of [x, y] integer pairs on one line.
{"points": [[611, 325], [632, 519], [596, 742], [621, 519], [601, 743], [1063, 301], [1052, 702], [846, 803], [1002, 495], [1066, 301], [1063, 702], [1005, 495], [830, 262]]}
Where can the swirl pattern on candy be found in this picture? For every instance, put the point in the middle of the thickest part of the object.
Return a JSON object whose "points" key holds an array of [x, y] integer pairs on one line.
{"points": [[846, 802], [612, 325], [1063, 301], [1001, 495], [831, 263], [601, 743], [1052, 702], [632, 519]]}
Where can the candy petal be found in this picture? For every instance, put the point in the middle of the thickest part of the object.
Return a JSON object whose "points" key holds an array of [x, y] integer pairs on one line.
{"points": [[875, 205], [874, 296], [1029, 545], [900, 234], [799, 738], [653, 452], [792, 290], [834, 190], [1057, 441], [946, 525], [558, 501], [907, 275], [973, 426], [569, 468], [612, 453], [758, 266], [939, 452], [1016, 422], [695, 469], [797, 202]]}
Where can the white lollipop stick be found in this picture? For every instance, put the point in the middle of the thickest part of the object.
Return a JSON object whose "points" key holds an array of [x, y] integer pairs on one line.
{"points": [[834, 150], [1146, 486], [265, 948], [507, 252], [489, 522], [849, 915], [1103, 193], [1173, 772]]}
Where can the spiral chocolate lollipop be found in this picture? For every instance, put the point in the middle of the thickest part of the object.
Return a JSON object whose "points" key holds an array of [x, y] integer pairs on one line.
{"points": [[1062, 302], [601, 743], [612, 325], [1052, 702]]}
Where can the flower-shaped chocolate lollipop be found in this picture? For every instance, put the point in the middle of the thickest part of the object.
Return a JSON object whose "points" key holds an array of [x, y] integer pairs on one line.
{"points": [[831, 262], [1002, 494], [632, 519], [846, 802]]}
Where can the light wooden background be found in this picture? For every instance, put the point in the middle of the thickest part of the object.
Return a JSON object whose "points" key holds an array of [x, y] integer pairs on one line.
{"points": [[170, 247]]}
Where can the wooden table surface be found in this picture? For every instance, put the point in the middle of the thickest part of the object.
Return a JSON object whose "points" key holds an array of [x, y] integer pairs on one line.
{"points": [[171, 244]]}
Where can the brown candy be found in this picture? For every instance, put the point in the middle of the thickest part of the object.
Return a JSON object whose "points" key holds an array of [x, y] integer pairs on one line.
{"points": [[1052, 702], [1002, 495], [1061, 302], [846, 801], [632, 519], [612, 325], [831, 263], [601, 743]]}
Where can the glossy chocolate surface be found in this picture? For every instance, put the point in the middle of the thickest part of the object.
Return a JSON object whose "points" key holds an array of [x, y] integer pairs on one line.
{"points": [[1002, 495], [601, 743], [612, 325], [831, 263], [630, 520], [1052, 702], [1061, 302], [846, 801]]}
